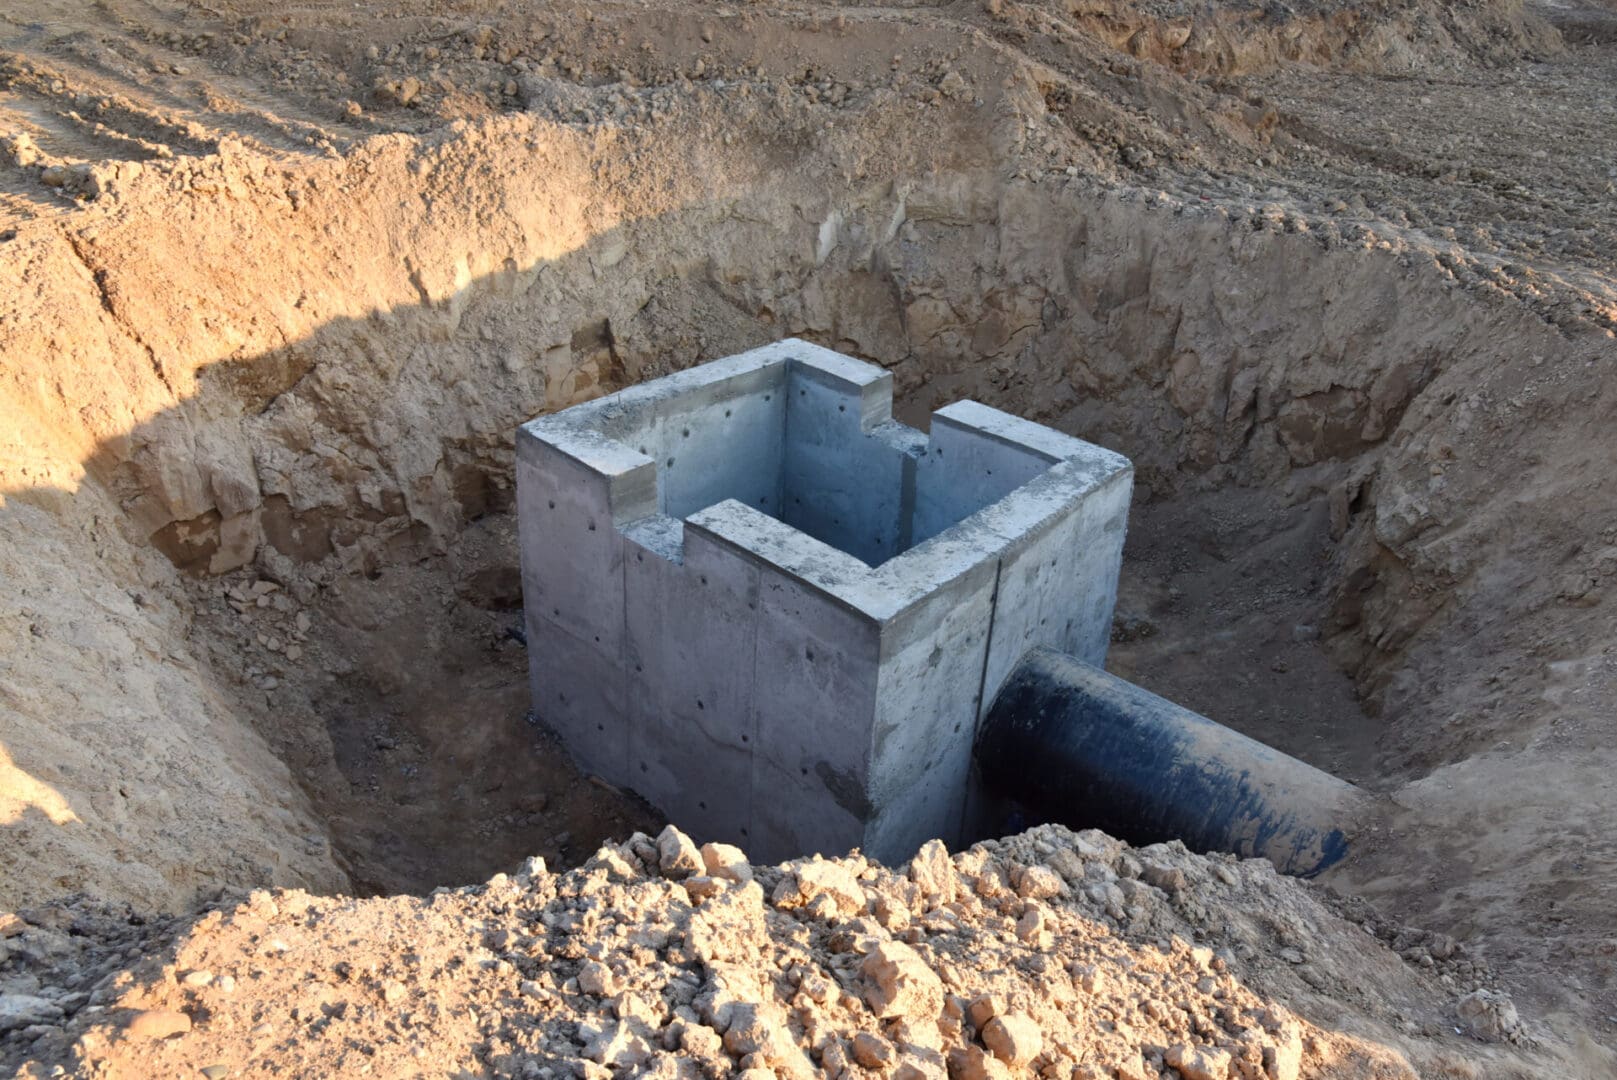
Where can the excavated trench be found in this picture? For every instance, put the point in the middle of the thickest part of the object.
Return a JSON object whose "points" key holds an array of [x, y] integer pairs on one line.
{"points": [[280, 286], [290, 489]]}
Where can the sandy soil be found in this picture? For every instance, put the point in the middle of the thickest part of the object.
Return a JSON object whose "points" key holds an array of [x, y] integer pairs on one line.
{"points": [[282, 281], [1047, 954]]}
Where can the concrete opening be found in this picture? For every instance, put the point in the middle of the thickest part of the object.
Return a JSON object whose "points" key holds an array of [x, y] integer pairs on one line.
{"points": [[806, 436], [758, 601]]}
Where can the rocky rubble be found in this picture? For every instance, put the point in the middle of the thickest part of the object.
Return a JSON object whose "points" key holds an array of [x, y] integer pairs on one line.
{"points": [[1048, 954]]}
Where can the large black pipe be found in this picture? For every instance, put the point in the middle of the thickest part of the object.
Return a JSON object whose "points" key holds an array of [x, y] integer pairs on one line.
{"points": [[1073, 744]]}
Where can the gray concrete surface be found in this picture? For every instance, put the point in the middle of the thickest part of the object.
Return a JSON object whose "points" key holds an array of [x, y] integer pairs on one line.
{"points": [[777, 614]]}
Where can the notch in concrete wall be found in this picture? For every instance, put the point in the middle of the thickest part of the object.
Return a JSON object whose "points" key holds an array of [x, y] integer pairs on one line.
{"points": [[754, 598]]}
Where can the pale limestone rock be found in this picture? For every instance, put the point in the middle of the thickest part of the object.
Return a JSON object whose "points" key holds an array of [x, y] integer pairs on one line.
{"points": [[1038, 883], [934, 873], [726, 862], [984, 1009], [157, 1024], [596, 978], [872, 1051], [1199, 1062], [975, 1063], [899, 983], [1014, 1039], [677, 855]]}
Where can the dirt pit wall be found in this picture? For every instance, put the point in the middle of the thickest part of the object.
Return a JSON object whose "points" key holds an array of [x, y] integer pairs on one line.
{"points": [[257, 504], [432, 296]]}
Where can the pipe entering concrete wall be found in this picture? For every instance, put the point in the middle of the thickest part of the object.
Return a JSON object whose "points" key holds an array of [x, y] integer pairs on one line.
{"points": [[1073, 744]]}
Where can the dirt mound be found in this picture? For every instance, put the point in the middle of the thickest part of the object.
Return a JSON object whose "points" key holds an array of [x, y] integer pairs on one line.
{"points": [[1338, 278], [1049, 954]]}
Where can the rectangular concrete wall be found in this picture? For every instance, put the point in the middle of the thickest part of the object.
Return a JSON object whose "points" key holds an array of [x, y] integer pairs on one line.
{"points": [[851, 489], [785, 638], [965, 469]]}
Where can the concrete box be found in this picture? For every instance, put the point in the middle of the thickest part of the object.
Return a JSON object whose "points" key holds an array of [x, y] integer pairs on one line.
{"points": [[778, 615]]}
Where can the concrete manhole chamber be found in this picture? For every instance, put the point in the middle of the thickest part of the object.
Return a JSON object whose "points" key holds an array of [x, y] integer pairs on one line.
{"points": [[755, 599]]}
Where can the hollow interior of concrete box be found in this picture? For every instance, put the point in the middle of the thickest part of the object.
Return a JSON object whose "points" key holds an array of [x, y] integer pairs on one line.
{"points": [[794, 444]]}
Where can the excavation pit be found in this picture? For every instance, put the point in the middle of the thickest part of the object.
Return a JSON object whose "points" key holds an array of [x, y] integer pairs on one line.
{"points": [[758, 601]]}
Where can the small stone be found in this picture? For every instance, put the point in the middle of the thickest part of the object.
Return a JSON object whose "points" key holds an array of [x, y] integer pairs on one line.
{"points": [[984, 1009], [677, 855], [701, 887], [1170, 879], [921, 1068], [262, 1031], [899, 983], [1038, 883], [753, 1030], [596, 978], [1033, 928], [1015, 1039], [157, 1024], [197, 978], [1488, 1015], [25, 1010], [226, 983], [216, 1072], [975, 1063], [726, 862], [934, 873], [830, 885], [1199, 1062], [615, 1046], [872, 1051]]}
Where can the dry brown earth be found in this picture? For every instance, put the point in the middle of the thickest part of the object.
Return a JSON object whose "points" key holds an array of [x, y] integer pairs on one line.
{"points": [[278, 282]]}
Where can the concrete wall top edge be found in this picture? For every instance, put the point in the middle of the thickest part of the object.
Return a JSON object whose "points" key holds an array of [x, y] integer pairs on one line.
{"points": [[900, 437], [658, 534], [617, 415], [815, 564], [883, 593], [871, 385], [605, 458], [1044, 499], [830, 365], [1025, 434]]}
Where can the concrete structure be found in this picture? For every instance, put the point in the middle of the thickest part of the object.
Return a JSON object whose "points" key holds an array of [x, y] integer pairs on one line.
{"points": [[778, 615]]}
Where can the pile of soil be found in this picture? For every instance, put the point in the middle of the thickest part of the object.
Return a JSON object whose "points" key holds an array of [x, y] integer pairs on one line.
{"points": [[1050, 953], [281, 282]]}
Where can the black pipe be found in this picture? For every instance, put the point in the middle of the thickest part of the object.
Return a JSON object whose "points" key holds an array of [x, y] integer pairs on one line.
{"points": [[1075, 745]]}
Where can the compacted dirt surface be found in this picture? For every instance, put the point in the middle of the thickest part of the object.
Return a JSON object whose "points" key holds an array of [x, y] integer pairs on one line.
{"points": [[278, 283]]}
